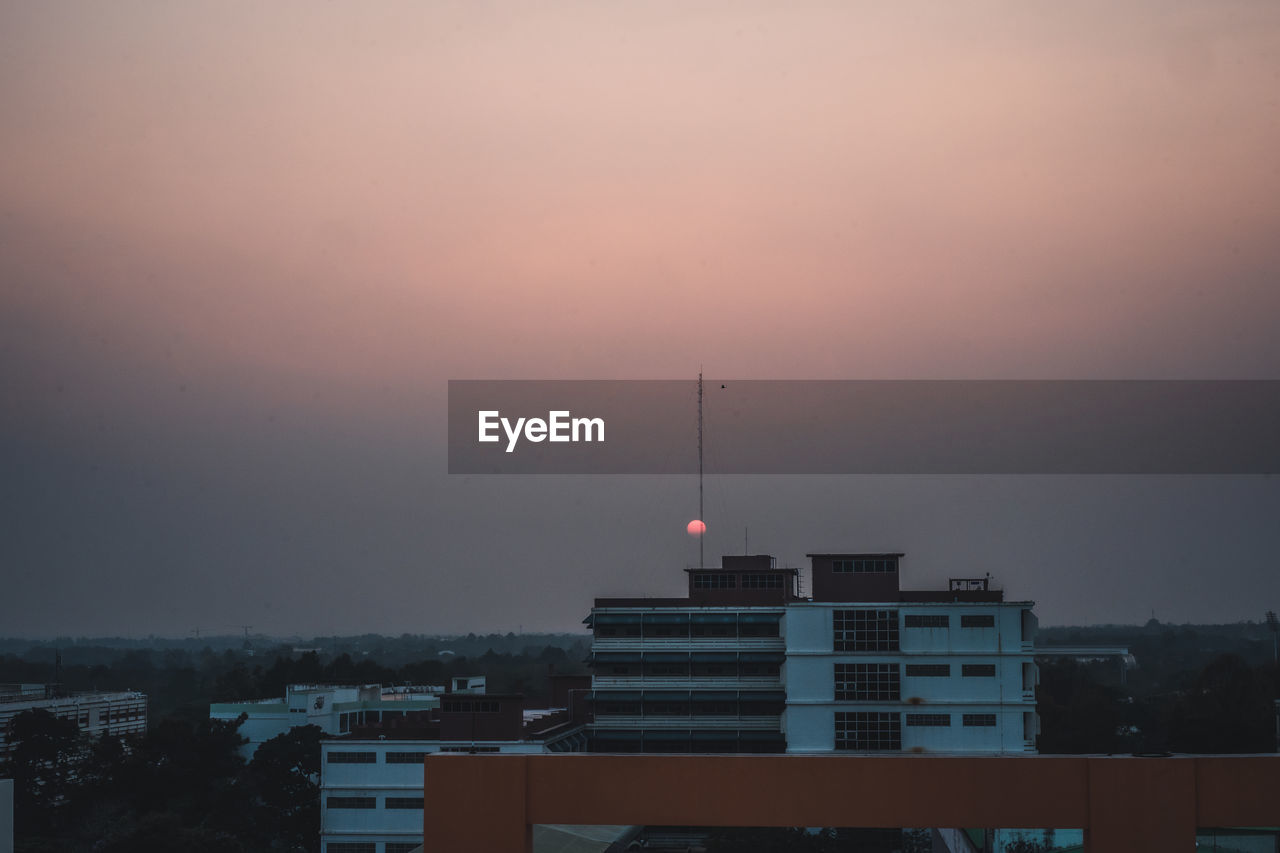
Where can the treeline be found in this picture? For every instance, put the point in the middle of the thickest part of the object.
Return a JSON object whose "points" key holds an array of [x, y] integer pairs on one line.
{"points": [[180, 786], [392, 651], [182, 684], [1227, 706]]}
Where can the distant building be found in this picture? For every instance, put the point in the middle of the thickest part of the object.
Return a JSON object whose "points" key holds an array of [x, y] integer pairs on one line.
{"points": [[371, 781], [96, 713], [745, 664], [335, 709]]}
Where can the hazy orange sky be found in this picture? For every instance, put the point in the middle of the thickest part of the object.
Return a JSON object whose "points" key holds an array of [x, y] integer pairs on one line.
{"points": [[243, 246]]}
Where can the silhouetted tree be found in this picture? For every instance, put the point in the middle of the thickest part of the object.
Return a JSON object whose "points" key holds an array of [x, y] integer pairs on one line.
{"points": [[44, 753]]}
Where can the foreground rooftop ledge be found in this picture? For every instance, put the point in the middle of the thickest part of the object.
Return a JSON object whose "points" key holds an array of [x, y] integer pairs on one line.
{"points": [[490, 802]]}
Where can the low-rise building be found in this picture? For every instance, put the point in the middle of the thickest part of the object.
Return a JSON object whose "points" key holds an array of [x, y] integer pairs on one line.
{"points": [[371, 792], [96, 713], [335, 709]]}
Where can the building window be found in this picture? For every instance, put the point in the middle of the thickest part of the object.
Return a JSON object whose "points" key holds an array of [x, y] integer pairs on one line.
{"points": [[926, 620], [353, 758], [929, 670], [625, 709], [979, 719], [759, 670], [868, 731], [402, 847], [978, 620], [762, 581], [931, 720], [406, 757], [405, 803], [666, 709], [716, 580], [866, 682], [470, 749], [758, 629], [666, 670], [864, 566], [866, 630], [353, 847], [351, 802], [476, 707], [978, 670]]}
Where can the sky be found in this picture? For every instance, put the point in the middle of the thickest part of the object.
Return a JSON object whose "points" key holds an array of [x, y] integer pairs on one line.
{"points": [[243, 248]]}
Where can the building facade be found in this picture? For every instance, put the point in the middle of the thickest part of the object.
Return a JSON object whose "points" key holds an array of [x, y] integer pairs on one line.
{"points": [[698, 674], [371, 793], [872, 667], [107, 713], [744, 664]]}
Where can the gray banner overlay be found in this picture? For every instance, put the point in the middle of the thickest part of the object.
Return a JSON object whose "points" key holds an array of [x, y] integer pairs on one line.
{"points": [[866, 427]]}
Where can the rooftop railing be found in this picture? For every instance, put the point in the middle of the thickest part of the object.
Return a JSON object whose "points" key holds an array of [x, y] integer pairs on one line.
{"points": [[490, 803]]}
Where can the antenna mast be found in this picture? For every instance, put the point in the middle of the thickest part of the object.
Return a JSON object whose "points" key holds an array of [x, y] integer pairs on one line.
{"points": [[702, 562]]}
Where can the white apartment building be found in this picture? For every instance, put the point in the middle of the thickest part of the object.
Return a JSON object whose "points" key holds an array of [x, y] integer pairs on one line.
{"points": [[874, 668]]}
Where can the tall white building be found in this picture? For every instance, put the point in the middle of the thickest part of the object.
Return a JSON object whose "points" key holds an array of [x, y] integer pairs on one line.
{"points": [[885, 669], [744, 664]]}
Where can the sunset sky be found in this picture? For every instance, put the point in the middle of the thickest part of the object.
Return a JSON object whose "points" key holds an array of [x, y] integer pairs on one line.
{"points": [[244, 246]]}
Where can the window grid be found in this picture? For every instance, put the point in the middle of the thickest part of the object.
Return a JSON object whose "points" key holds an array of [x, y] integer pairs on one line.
{"points": [[978, 670], [476, 706], [469, 749], [762, 581], [868, 731], [353, 758], [867, 682], [709, 580], [864, 566], [865, 630], [352, 847], [979, 719], [929, 670], [406, 757], [978, 620], [926, 620], [928, 719], [402, 846]]}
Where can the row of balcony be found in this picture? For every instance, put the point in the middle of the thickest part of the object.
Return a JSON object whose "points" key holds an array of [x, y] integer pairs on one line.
{"points": [[772, 722], [686, 642]]}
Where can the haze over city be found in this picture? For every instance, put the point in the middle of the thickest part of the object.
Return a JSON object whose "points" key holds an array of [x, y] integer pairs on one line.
{"points": [[242, 250]]}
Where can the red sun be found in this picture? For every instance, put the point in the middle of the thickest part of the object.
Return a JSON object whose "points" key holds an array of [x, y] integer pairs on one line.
{"points": [[696, 528]]}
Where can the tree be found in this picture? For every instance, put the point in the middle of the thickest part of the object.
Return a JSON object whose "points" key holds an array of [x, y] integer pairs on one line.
{"points": [[45, 751], [1229, 708], [284, 776]]}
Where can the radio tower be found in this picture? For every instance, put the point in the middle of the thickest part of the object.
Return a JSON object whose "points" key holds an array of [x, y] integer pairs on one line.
{"points": [[702, 561]]}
